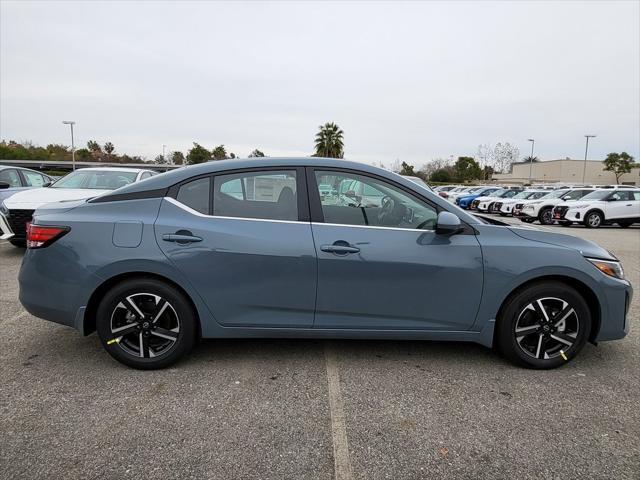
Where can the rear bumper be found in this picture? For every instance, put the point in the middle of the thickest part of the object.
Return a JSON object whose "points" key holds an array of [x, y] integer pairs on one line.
{"points": [[5, 229]]}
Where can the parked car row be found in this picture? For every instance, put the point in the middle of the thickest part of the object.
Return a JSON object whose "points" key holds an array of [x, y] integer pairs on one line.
{"points": [[38, 189], [591, 205]]}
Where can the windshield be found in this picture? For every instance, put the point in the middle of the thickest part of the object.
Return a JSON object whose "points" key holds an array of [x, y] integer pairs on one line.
{"points": [[597, 195], [96, 179], [556, 194], [536, 195], [509, 193], [523, 195], [575, 194]]}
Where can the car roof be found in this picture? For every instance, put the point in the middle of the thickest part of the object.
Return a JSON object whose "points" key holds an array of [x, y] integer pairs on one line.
{"points": [[112, 169], [172, 177]]}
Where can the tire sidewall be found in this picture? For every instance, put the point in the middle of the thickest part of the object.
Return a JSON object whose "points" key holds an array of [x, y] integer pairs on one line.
{"points": [[506, 323], [589, 215], [186, 336]]}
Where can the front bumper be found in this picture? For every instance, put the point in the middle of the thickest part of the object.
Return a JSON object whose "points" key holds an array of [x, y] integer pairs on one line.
{"points": [[5, 228], [614, 321]]}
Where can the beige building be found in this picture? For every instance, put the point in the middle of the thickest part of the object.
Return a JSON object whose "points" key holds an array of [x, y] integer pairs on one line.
{"points": [[565, 171]]}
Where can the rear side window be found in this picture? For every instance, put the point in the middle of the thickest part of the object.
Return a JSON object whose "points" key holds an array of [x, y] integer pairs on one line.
{"points": [[195, 194], [621, 195], [265, 195]]}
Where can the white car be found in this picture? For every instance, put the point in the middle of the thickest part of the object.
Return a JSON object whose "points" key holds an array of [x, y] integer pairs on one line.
{"points": [[620, 205], [542, 209], [463, 192], [17, 210], [485, 204], [507, 206]]}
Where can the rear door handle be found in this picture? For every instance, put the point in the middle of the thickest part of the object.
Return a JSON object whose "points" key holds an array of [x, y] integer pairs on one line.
{"points": [[181, 237], [339, 248]]}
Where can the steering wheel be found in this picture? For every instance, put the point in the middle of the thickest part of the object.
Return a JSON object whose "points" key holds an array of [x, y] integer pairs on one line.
{"points": [[387, 207]]}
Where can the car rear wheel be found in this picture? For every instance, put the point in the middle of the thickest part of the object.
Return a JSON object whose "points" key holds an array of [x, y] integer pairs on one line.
{"points": [[593, 220], [545, 216], [543, 326], [146, 324]]}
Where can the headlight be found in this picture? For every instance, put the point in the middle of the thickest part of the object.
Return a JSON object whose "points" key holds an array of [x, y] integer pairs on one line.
{"points": [[608, 267]]}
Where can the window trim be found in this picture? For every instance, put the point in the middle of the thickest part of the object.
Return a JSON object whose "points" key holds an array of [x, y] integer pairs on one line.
{"points": [[21, 179]]}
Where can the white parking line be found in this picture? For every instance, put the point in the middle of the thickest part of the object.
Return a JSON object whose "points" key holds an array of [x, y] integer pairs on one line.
{"points": [[342, 463]]}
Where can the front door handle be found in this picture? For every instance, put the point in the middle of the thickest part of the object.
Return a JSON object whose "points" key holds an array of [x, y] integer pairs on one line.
{"points": [[181, 236], [339, 248]]}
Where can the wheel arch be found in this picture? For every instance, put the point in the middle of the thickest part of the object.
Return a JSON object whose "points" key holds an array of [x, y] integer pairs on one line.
{"points": [[583, 289], [596, 209], [104, 287]]}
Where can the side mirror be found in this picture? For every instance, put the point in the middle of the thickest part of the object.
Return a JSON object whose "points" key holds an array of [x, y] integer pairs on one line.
{"points": [[448, 224], [4, 185], [47, 184]]}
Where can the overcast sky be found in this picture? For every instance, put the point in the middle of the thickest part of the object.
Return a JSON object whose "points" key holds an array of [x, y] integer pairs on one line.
{"points": [[413, 81]]}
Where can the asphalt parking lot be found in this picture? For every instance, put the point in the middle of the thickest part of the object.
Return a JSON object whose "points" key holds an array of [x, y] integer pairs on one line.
{"points": [[274, 409]]}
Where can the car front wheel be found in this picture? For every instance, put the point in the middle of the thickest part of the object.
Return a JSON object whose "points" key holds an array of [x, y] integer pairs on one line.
{"points": [[146, 324], [543, 326], [593, 220], [545, 217]]}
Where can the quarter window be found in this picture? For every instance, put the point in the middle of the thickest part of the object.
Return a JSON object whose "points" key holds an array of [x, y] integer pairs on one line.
{"points": [[195, 194], [352, 199], [268, 195]]}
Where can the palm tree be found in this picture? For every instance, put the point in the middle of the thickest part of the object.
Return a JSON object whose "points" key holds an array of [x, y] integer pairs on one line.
{"points": [[329, 141]]}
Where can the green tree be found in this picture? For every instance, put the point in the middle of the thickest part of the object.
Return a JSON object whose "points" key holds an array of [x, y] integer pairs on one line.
{"points": [[329, 141], [160, 160], [441, 175], [177, 158], [466, 168], [407, 170], [198, 154], [619, 164], [83, 154], [94, 146], [109, 148], [58, 152], [219, 153], [256, 153]]}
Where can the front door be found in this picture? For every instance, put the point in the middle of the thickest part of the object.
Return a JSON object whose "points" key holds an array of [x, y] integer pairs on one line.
{"points": [[381, 264], [622, 204], [244, 241]]}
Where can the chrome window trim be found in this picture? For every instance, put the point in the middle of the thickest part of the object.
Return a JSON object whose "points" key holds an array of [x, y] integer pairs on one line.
{"points": [[204, 215]]}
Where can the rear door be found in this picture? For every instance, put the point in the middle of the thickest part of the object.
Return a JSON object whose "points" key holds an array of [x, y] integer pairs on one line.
{"points": [[621, 204], [381, 264], [244, 241]]}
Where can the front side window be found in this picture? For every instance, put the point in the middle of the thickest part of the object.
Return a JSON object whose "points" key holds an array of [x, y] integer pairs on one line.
{"points": [[11, 177], [269, 195], [195, 194], [33, 179], [369, 201]]}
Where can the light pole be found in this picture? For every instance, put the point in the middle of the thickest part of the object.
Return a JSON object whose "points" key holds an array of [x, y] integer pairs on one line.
{"points": [[533, 142], [164, 159], [586, 149], [73, 148]]}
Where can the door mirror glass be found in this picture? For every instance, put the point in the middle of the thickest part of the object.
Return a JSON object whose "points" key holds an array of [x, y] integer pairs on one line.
{"points": [[4, 185], [448, 224]]}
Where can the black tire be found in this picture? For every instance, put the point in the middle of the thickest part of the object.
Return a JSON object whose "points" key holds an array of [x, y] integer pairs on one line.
{"points": [[537, 347], [545, 216], [625, 224], [593, 219], [18, 243], [175, 326]]}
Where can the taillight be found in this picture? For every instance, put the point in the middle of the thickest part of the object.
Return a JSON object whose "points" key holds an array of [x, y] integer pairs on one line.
{"points": [[39, 236]]}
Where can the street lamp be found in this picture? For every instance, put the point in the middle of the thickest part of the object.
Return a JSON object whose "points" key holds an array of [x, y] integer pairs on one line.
{"points": [[73, 149], [533, 142], [586, 149], [163, 157]]}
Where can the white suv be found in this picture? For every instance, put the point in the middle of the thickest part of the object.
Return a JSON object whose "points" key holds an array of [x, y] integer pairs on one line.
{"points": [[510, 206], [541, 209], [621, 206]]}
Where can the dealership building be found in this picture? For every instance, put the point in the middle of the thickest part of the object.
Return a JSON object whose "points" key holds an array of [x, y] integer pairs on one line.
{"points": [[564, 171]]}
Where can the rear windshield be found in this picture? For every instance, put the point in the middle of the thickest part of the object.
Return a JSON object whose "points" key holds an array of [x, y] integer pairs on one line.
{"points": [[98, 180]]}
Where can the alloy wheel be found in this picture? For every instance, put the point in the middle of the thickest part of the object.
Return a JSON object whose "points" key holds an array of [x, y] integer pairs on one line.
{"points": [[547, 328], [594, 220], [145, 325]]}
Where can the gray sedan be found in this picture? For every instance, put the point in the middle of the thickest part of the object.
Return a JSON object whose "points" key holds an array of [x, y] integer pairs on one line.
{"points": [[253, 248]]}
